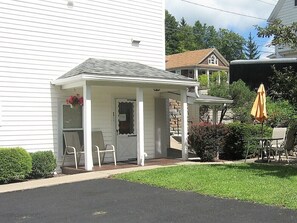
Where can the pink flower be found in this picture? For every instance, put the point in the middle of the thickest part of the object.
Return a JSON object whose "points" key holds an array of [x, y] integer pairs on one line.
{"points": [[75, 100]]}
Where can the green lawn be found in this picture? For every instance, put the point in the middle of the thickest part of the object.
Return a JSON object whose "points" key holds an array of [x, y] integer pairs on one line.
{"points": [[260, 183]]}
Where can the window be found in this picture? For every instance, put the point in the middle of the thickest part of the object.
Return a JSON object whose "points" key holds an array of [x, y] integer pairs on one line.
{"points": [[72, 118], [213, 60], [295, 2]]}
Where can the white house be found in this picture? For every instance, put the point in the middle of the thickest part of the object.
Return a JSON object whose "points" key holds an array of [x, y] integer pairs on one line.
{"points": [[110, 52], [286, 11]]}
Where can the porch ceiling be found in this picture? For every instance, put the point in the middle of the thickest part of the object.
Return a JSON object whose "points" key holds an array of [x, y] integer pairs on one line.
{"points": [[110, 71]]}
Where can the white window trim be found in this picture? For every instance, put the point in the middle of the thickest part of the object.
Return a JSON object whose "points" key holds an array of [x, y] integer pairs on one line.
{"points": [[213, 60]]}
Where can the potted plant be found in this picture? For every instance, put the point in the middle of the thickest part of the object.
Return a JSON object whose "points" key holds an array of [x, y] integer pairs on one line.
{"points": [[75, 101]]}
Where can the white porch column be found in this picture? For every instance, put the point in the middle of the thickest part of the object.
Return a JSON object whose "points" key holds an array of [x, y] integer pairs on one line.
{"points": [[140, 127], [207, 73], [196, 74], [184, 119], [87, 127]]}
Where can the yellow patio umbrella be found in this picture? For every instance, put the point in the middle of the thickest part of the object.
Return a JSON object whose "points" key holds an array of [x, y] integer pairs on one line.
{"points": [[259, 107]]}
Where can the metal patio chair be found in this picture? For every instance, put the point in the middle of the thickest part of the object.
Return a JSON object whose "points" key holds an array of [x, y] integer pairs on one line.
{"points": [[72, 147], [98, 143], [278, 146]]}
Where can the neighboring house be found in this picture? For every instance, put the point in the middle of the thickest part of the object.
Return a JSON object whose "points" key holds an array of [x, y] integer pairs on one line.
{"points": [[116, 61], [195, 63], [192, 64], [286, 11]]}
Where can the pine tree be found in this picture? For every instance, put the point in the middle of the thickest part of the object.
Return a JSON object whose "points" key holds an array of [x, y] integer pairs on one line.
{"points": [[251, 49]]}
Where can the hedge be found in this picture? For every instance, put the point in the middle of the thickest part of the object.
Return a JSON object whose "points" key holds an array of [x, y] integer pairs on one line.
{"points": [[15, 164], [229, 141], [43, 164]]}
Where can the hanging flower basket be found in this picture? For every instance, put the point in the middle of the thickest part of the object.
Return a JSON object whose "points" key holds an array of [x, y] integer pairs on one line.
{"points": [[75, 101]]}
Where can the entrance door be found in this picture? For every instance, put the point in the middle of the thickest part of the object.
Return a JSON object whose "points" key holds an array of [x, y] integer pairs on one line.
{"points": [[125, 128]]}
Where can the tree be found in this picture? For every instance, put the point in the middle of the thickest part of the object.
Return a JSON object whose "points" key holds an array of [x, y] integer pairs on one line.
{"points": [[199, 33], [251, 48], [243, 99], [186, 37], [230, 44], [284, 85], [171, 34], [282, 34]]}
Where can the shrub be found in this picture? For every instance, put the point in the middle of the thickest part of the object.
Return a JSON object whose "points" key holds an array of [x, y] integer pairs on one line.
{"points": [[203, 80], [207, 140], [241, 135], [43, 164], [15, 164]]}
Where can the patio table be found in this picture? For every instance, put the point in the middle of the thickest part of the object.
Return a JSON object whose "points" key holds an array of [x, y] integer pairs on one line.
{"points": [[265, 143]]}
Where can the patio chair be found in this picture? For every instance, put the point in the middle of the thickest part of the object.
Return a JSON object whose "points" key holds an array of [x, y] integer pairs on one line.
{"points": [[98, 143], [278, 146], [72, 147]]}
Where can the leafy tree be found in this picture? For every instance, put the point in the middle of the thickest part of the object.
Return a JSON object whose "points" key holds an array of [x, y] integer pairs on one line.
{"points": [[186, 37], [171, 37], [282, 34], [284, 85], [230, 44], [199, 31], [251, 48], [243, 99], [211, 37], [280, 112]]}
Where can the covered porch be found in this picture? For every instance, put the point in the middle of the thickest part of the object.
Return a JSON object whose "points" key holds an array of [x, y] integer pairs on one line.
{"points": [[122, 99]]}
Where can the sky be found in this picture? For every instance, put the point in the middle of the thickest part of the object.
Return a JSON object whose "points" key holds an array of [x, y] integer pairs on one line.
{"points": [[239, 16]]}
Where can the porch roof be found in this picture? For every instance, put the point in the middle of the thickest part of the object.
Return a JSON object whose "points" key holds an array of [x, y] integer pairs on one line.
{"points": [[122, 71], [201, 100]]}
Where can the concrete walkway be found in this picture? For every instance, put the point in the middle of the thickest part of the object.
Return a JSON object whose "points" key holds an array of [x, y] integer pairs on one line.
{"points": [[64, 179]]}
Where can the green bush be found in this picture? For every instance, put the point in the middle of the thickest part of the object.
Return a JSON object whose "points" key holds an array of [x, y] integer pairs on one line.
{"points": [[43, 164], [15, 164], [241, 135], [207, 140], [229, 141], [203, 80]]}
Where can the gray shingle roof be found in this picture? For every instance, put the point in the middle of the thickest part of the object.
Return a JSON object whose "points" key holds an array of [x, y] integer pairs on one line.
{"points": [[121, 68]]}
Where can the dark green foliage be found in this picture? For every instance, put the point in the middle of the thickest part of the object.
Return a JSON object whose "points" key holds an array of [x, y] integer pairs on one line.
{"points": [[282, 34], [230, 44], [207, 140], [171, 27], [181, 37], [243, 99], [43, 164], [284, 85], [251, 49], [15, 164], [241, 135], [230, 141]]}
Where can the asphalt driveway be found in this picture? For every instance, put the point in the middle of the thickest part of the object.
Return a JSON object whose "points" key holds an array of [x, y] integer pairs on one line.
{"points": [[108, 200]]}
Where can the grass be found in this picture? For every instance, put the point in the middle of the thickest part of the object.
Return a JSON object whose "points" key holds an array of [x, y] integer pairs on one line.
{"points": [[260, 183]]}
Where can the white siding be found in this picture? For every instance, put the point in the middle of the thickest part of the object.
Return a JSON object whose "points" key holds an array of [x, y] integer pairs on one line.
{"points": [[288, 13], [41, 40]]}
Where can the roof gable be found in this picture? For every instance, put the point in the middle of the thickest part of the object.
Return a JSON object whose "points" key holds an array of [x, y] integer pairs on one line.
{"points": [[192, 58]]}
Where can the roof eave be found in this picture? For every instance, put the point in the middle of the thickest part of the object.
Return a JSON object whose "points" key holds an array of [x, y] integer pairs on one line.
{"points": [[121, 79]]}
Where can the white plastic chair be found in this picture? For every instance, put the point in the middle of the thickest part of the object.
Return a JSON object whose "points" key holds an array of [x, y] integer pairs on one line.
{"points": [[98, 143], [72, 147]]}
